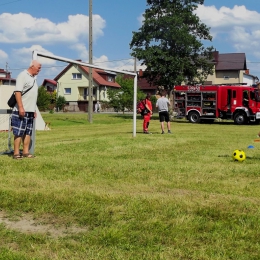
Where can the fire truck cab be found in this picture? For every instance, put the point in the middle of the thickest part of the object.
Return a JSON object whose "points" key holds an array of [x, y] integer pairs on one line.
{"points": [[200, 103]]}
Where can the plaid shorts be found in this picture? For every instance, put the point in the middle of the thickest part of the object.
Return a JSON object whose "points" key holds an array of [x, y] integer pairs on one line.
{"points": [[22, 125]]}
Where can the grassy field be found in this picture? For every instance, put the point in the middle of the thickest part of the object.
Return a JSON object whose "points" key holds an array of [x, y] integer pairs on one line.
{"points": [[95, 192]]}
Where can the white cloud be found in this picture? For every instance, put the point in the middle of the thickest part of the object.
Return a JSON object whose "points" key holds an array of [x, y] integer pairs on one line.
{"points": [[24, 28], [235, 27], [24, 55], [238, 25], [82, 51], [140, 19], [224, 19], [3, 55]]}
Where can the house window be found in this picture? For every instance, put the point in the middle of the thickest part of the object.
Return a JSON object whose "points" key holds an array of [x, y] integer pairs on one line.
{"points": [[226, 77], [110, 78], [67, 91], [76, 76]]}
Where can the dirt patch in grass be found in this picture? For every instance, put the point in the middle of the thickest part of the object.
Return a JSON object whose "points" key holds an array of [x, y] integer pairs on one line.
{"points": [[28, 225]]}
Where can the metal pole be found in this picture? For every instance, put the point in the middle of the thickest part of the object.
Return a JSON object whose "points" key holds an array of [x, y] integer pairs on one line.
{"points": [[135, 99], [90, 92], [33, 136], [134, 106]]}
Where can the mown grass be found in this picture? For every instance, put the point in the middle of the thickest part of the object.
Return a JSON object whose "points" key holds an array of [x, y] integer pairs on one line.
{"points": [[178, 196]]}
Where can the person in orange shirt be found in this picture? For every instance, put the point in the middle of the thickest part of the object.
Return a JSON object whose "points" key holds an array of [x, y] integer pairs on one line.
{"points": [[147, 115]]}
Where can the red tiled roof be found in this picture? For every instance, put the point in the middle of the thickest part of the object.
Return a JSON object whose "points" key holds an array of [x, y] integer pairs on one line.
{"points": [[99, 79], [142, 83], [53, 82], [96, 77]]}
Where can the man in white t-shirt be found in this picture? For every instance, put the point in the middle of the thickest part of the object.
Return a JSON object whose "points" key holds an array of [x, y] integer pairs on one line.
{"points": [[26, 92], [162, 104]]}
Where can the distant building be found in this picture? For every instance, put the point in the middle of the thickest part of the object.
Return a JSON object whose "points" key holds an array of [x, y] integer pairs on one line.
{"points": [[50, 85], [73, 84], [230, 68], [5, 78]]}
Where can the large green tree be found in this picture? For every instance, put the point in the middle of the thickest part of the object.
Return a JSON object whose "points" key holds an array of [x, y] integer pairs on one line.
{"points": [[170, 43], [122, 98]]}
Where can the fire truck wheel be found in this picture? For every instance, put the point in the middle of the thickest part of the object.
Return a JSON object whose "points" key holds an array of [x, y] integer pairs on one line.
{"points": [[194, 117], [240, 118]]}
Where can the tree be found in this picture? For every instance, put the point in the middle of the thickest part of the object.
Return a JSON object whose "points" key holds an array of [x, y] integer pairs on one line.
{"points": [[43, 100], [61, 101], [121, 99], [169, 43]]}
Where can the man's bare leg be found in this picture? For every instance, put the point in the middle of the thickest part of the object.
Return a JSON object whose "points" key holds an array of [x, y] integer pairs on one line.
{"points": [[26, 143], [169, 125], [162, 127], [17, 143]]}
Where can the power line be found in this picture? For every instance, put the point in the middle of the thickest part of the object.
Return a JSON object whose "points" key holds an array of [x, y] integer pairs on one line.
{"points": [[113, 60], [10, 2]]}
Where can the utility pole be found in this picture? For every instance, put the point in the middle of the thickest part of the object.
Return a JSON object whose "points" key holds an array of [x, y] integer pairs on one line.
{"points": [[7, 73], [90, 88]]}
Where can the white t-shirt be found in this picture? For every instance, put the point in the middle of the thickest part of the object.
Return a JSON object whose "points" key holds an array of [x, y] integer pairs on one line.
{"points": [[25, 81], [162, 104]]}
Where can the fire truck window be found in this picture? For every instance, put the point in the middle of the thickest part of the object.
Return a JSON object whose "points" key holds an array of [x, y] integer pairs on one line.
{"points": [[234, 94], [245, 98], [252, 95], [229, 98], [257, 95]]}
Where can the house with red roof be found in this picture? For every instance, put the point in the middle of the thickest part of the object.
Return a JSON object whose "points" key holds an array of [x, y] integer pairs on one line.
{"points": [[50, 85], [73, 84], [230, 68], [5, 78]]}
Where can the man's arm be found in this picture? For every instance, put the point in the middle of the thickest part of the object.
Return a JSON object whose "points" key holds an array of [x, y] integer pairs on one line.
{"points": [[148, 108], [18, 97]]}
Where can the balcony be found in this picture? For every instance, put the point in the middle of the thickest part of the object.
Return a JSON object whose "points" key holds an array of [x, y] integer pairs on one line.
{"points": [[82, 97]]}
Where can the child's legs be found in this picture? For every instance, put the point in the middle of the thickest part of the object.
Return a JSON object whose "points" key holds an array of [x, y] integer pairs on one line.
{"points": [[162, 126], [146, 122]]}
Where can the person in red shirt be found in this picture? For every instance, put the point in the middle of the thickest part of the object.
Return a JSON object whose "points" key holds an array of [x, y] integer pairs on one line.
{"points": [[147, 116]]}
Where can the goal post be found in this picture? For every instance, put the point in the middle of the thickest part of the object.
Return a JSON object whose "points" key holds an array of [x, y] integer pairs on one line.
{"points": [[35, 54], [6, 146]]}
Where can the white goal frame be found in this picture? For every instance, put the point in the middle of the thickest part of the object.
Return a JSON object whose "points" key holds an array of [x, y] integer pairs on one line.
{"points": [[8, 149], [50, 56]]}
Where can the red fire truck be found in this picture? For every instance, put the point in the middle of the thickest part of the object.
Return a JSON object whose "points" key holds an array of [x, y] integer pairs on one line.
{"points": [[200, 103]]}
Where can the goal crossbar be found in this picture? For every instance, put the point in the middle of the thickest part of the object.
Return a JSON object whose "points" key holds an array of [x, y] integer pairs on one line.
{"points": [[63, 59]]}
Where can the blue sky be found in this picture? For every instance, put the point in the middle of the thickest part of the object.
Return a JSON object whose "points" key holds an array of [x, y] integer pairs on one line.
{"points": [[60, 27]]}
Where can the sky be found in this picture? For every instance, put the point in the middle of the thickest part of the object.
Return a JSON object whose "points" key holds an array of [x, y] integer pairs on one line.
{"points": [[60, 27]]}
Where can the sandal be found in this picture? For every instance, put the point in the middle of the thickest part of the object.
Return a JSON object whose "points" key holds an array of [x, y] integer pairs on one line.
{"points": [[28, 155], [17, 157]]}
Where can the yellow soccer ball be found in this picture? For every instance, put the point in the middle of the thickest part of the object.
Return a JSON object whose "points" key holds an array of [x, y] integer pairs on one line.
{"points": [[239, 155]]}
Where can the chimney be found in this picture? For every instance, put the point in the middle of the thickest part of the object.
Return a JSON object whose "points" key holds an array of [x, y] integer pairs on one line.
{"points": [[140, 73], [215, 55]]}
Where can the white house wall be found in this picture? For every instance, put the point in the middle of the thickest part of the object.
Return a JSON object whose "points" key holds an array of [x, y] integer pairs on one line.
{"points": [[248, 80], [233, 77], [66, 81]]}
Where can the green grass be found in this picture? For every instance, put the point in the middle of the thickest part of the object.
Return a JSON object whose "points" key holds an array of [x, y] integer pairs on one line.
{"points": [[178, 196]]}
